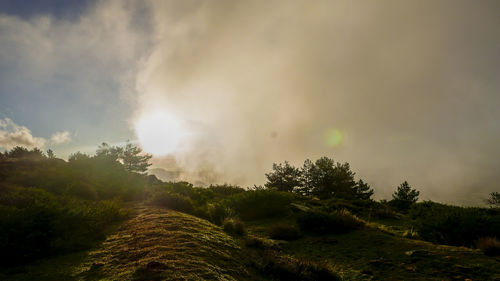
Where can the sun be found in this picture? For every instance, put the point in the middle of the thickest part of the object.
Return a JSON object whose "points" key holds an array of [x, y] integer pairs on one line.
{"points": [[159, 132]]}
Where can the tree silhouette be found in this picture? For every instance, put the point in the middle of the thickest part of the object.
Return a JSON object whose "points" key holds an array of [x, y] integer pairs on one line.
{"points": [[284, 177], [494, 199], [404, 196], [306, 179], [134, 160], [362, 190], [131, 156], [332, 180]]}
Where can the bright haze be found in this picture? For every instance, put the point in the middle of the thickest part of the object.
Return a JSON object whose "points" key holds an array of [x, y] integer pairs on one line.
{"points": [[219, 90]]}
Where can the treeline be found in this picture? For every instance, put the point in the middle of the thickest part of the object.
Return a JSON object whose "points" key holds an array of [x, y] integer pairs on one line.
{"points": [[49, 206], [327, 179]]}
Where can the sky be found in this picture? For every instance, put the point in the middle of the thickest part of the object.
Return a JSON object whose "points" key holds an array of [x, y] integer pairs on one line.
{"points": [[401, 90]]}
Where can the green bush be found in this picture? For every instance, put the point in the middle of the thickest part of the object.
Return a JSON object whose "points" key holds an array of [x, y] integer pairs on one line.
{"points": [[324, 223], [233, 226], [225, 189], [173, 201], [283, 232], [260, 204], [37, 224], [454, 225]]}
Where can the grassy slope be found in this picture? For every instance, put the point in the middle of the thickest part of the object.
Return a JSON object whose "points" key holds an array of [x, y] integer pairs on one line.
{"points": [[371, 254], [156, 244], [162, 244]]}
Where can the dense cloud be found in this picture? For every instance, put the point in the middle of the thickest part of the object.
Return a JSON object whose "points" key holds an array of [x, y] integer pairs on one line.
{"points": [[402, 91], [411, 87]]}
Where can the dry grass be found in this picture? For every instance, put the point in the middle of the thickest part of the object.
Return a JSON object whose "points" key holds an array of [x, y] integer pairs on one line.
{"points": [[166, 245], [489, 245]]}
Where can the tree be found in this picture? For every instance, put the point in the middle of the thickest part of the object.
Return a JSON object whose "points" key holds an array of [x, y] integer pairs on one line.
{"points": [[22, 152], [134, 160], [404, 196], [306, 179], [284, 177], [50, 154], [494, 199], [330, 179], [362, 190], [131, 156]]}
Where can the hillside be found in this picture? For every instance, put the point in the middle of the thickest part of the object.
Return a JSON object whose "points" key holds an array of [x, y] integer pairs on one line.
{"points": [[163, 244], [92, 219]]}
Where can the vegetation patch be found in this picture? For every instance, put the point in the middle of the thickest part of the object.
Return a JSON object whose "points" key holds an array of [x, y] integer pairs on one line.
{"points": [[234, 226], [158, 244], [489, 245], [260, 204], [323, 223], [284, 232]]}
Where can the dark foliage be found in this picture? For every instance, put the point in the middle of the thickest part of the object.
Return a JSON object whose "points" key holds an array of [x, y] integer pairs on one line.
{"points": [[283, 232], [252, 205], [284, 177], [362, 191], [404, 197], [36, 224], [233, 226], [453, 225], [172, 201], [489, 245], [494, 199], [325, 223]]}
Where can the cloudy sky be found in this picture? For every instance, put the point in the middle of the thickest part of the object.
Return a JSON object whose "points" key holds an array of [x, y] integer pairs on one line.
{"points": [[219, 90]]}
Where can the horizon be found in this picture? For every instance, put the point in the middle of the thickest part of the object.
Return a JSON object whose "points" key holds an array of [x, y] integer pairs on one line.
{"points": [[222, 90]]}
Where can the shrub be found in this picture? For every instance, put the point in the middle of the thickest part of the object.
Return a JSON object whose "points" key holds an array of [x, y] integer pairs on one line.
{"points": [[225, 189], [288, 268], [324, 223], [37, 224], [260, 204], [489, 245], [172, 201], [255, 242], [233, 226], [453, 225], [283, 232]]}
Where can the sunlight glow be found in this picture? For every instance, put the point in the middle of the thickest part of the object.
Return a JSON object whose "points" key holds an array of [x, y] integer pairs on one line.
{"points": [[159, 132]]}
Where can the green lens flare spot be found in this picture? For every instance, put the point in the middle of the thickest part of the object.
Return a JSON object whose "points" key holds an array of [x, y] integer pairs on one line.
{"points": [[333, 137]]}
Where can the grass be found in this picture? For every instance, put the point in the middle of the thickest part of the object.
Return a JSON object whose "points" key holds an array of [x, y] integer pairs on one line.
{"points": [[162, 244], [379, 252]]}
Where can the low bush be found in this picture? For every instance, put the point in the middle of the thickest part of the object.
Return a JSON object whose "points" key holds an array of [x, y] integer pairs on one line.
{"points": [[255, 242], [324, 223], [489, 245], [287, 268], [451, 225], [37, 224], [260, 204], [283, 232], [226, 189], [234, 226], [173, 201]]}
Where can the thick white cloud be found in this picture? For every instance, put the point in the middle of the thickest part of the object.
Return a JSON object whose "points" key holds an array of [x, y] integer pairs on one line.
{"points": [[60, 137], [12, 135], [412, 87]]}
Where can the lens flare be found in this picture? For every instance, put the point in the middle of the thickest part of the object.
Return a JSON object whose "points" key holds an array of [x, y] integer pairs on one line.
{"points": [[333, 137]]}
